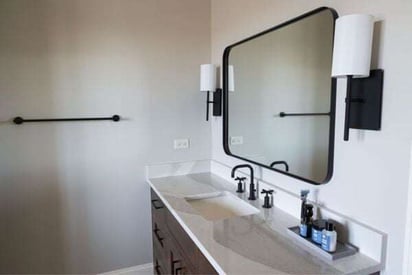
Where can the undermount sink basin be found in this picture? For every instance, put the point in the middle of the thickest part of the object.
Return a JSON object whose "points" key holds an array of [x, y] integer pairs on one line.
{"points": [[220, 205]]}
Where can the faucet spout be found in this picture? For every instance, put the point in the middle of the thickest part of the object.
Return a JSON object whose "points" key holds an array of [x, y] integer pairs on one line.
{"points": [[233, 172], [281, 162], [252, 190]]}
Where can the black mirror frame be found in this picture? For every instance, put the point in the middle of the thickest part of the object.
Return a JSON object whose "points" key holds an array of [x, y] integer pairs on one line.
{"points": [[332, 101]]}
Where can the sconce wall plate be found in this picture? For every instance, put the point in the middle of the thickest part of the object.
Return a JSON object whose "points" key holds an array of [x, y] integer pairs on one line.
{"points": [[217, 102], [366, 101]]}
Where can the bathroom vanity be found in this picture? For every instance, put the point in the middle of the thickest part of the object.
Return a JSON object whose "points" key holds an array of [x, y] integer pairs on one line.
{"points": [[195, 233], [174, 252]]}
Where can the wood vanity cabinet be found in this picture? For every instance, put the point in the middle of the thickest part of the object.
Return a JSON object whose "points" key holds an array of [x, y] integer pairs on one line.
{"points": [[174, 252]]}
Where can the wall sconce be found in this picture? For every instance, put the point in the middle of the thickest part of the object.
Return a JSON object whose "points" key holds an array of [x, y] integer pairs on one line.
{"points": [[208, 84], [352, 53]]}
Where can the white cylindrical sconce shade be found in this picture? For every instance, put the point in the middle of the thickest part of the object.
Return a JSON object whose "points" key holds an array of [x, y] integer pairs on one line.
{"points": [[207, 78], [352, 48], [231, 79]]}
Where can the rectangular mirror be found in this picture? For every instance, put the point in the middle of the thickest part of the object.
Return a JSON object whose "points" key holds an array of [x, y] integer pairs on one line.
{"points": [[279, 97]]}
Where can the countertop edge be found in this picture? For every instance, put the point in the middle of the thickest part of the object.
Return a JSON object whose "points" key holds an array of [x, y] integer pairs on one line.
{"points": [[192, 236]]}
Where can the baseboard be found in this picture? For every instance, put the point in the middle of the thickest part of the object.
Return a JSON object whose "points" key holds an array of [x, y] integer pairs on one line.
{"points": [[129, 269]]}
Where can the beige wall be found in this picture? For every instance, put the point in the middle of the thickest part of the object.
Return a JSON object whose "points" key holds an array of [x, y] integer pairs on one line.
{"points": [[73, 198], [370, 181]]}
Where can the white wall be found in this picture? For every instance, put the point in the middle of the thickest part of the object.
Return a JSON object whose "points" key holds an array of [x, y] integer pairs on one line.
{"points": [[370, 181], [72, 195]]}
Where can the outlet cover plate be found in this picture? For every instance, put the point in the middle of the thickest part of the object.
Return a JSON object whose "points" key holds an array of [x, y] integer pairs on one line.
{"points": [[182, 143], [236, 140]]}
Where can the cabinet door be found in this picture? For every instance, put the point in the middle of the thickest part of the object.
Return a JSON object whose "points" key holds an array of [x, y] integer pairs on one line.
{"points": [[158, 208]]}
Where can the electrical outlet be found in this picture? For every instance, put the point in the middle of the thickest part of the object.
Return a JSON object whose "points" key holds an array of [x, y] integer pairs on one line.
{"points": [[236, 140], [181, 143]]}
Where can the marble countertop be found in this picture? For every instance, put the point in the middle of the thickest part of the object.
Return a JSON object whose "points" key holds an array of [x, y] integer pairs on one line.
{"points": [[254, 244]]}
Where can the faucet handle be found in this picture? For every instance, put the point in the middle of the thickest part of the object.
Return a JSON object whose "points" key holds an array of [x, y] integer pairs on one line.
{"points": [[267, 201], [240, 184], [267, 192]]}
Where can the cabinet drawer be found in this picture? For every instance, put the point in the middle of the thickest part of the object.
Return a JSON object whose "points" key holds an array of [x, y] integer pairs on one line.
{"points": [[158, 208], [160, 234], [160, 260], [160, 255]]}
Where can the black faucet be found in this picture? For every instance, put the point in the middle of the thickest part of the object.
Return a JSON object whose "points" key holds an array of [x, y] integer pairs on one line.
{"points": [[252, 190], [281, 162]]}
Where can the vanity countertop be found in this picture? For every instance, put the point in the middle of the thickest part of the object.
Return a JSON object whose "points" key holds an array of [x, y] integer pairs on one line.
{"points": [[254, 244]]}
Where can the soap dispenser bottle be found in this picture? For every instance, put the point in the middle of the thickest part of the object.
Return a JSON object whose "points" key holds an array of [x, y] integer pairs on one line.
{"points": [[305, 229], [329, 237]]}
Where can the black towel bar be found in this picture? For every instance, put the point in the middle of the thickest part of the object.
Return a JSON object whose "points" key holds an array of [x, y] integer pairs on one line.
{"points": [[20, 120], [283, 114]]}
